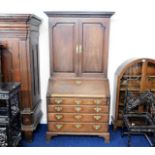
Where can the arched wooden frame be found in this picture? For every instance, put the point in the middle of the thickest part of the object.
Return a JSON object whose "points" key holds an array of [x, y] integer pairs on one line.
{"points": [[143, 71]]}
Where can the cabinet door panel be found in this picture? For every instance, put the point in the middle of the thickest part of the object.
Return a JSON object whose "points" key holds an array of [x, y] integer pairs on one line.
{"points": [[11, 61], [35, 72], [94, 34], [64, 40]]}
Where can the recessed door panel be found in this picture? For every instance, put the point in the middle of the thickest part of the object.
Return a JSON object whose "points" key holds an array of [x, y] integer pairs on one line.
{"points": [[94, 33], [11, 61], [64, 46], [92, 41]]}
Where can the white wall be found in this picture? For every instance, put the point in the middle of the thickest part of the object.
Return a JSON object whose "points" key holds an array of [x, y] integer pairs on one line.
{"points": [[132, 30]]}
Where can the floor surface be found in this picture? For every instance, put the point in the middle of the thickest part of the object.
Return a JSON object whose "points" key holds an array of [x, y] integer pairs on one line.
{"points": [[39, 140]]}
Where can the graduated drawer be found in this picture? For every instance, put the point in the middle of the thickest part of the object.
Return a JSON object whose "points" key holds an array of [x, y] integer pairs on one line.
{"points": [[77, 101], [78, 108], [77, 127], [72, 117]]}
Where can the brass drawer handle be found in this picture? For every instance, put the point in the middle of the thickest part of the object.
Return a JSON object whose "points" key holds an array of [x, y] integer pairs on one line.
{"points": [[97, 109], [58, 101], [77, 117], [58, 109], [97, 117], [78, 109], [59, 126], [97, 127], [97, 102], [78, 102], [58, 117], [78, 126]]}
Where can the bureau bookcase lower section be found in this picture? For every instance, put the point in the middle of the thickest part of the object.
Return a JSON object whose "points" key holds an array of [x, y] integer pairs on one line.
{"points": [[105, 135], [78, 128], [86, 112]]}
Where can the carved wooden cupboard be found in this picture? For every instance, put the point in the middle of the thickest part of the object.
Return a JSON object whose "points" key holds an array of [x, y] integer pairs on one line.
{"points": [[78, 90], [19, 34], [137, 75]]}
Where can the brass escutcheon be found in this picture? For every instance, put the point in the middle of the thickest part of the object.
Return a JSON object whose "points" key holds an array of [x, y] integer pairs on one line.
{"points": [[80, 48], [77, 49], [78, 109], [97, 101], [78, 102], [78, 82]]}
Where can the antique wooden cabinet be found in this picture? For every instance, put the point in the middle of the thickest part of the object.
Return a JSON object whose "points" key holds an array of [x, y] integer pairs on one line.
{"points": [[19, 34], [78, 93], [136, 75], [10, 120]]}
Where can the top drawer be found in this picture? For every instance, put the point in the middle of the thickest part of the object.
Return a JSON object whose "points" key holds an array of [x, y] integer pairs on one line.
{"points": [[78, 101]]}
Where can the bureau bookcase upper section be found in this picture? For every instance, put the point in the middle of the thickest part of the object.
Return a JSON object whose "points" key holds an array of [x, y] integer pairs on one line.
{"points": [[79, 43]]}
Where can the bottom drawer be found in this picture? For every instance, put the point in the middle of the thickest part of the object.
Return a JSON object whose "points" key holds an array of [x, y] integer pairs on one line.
{"points": [[77, 127]]}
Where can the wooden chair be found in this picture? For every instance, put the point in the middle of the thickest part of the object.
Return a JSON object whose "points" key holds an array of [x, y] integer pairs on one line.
{"points": [[137, 121]]}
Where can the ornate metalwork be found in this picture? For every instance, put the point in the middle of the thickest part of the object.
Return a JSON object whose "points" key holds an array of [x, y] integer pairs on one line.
{"points": [[139, 122], [10, 122], [146, 98], [3, 137]]}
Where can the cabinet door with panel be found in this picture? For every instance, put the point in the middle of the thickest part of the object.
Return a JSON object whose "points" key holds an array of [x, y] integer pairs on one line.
{"points": [[64, 38], [78, 51], [19, 36], [79, 45], [93, 46]]}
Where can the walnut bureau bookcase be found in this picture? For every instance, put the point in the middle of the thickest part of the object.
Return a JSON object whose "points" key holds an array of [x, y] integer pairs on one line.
{"points": [[19, 33], [140, 74], [78, 89]]}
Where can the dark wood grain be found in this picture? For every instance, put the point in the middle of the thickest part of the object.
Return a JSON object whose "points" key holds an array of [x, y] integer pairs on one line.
{"points": [[78, 90], [20, 62], [143, 71]]}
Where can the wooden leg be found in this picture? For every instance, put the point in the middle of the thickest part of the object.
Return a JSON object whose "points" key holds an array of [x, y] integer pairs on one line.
{"points": [[114, 127], [122, 129], [28, 135], [106, 138], [48, 137]]}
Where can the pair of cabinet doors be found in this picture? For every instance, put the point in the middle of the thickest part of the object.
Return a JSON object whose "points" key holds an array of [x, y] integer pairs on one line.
{"points": [[79, 46]]}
